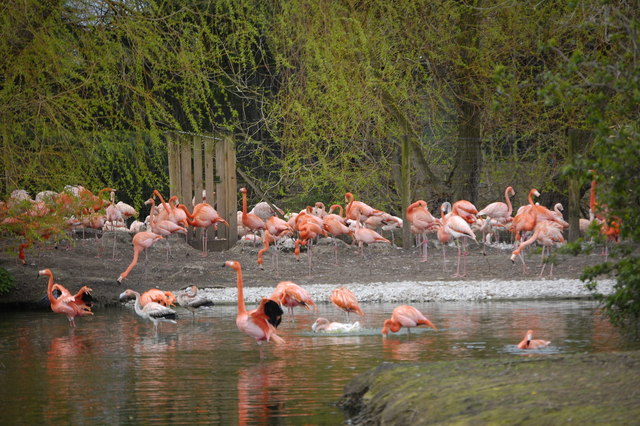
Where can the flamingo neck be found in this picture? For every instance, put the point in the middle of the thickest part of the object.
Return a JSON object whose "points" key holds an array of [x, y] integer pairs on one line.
{"points": [[244, 204], [508, 201], [164, 204], [136, 253], [50, 288], [531, 196], [241, 307]]}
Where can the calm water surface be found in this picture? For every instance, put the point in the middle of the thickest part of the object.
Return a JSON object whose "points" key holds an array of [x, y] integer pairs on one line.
{"points": [[113, 369]]}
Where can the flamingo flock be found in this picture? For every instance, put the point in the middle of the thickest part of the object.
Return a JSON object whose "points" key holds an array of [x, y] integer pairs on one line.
{"points": [[457, 223]]}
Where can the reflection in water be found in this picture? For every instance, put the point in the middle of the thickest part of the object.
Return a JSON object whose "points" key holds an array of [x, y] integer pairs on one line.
{"points": [[112, 369], [260, 396]]}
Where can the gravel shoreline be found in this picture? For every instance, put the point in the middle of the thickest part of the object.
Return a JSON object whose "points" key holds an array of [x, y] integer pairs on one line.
{"points": [[429, 291]]}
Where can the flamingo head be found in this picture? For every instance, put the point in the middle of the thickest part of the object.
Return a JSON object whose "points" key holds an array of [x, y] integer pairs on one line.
{"points": [[510, 191], [46, 272], [232, 264], [320, 324], [128, 294], [243, 190]]}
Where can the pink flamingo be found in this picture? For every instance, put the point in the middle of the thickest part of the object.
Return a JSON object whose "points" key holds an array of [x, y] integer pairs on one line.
{"points": [[357, 209], [152, 311], [290, 294], [546, 233], [142, 240], [203, 216], [458, 227], [421, 222], [335, 225], [164, 227], [345, 300], [250, 220], [367, 236], [529, 343], [62, 302], [261, 322], [405, 316], [165, 298]]}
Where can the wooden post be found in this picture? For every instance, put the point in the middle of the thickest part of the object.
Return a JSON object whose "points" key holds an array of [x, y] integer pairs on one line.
{"points": [[209, 170], [186, 192], [173, 150], [226, 189], [405, 190]]}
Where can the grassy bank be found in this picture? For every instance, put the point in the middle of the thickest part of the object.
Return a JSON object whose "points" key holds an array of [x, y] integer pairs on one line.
{"points": [[586, 388]]}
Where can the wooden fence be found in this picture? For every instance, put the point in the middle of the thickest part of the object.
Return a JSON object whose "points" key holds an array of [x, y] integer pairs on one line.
{"points": [[205, 162]]}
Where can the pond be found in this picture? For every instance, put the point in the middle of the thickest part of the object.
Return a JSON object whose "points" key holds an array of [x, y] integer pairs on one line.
{"points": [[113, 369]]}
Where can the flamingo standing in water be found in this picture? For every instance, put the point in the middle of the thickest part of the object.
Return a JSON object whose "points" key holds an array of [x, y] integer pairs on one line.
{"points": [[259, 323], [405, 316], [345, 300], [529, 343], [62, 302], [192, 301], [152, 311], [290, 294], [141, 241]]}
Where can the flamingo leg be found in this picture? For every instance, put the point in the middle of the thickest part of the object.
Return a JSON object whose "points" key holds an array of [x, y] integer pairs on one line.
{"points": [[425, 242]]}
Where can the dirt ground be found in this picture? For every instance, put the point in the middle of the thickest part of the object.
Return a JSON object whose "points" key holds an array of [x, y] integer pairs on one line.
{"points": [[77, 264]]}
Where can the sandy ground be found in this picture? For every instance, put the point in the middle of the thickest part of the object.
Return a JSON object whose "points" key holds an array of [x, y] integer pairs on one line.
{"points": [[78, 264]]}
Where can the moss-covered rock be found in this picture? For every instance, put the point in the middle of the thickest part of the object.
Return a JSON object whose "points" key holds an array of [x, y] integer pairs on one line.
{"points": [[585, 388]]}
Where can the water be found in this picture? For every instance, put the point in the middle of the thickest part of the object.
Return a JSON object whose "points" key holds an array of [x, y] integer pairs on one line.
{"points": [[113, 369]]}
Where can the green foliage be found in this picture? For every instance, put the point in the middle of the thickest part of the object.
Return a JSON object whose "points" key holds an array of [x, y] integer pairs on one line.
{"points": [[7, 282], [598, 82]]}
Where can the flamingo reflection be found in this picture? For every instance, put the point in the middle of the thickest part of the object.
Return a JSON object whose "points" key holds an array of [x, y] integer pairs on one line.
{"points": [[260, 396]]}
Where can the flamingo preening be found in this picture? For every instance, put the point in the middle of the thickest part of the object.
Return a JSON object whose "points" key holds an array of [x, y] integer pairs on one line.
{"points": [[259, 323], [345, 300], [530, 343], [62, 302]]}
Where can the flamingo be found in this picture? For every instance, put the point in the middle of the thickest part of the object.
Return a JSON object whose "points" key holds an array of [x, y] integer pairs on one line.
{"points": [[499, 210], [529, 343], [152, 311], [275, 230], [165, 298], [264, 211], [192, 301], [547, 234], [62, 302], [250, 220], [421, 222], [458, 227], [164, 227], [357, 209], [308, 229], [141, 241], [323, 325], [290, 294], [405, 316], [368, 236], [335, 225], [443, 236], [203, 216], [259, 323], [345, 300]]}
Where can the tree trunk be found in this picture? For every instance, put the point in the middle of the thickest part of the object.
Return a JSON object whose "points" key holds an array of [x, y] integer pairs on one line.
{"points": [[468, 157]]}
